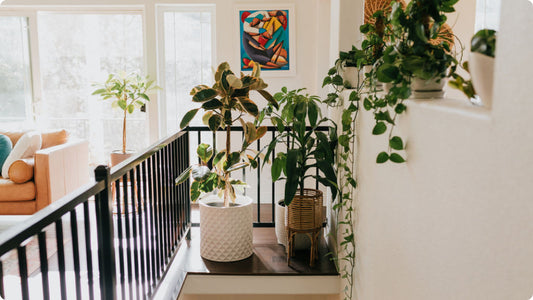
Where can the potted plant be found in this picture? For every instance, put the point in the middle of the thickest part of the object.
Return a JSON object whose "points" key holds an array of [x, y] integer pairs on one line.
{"points": [[225, 217], [483, 48], [419, 48], [307, 148], [127, 92]]}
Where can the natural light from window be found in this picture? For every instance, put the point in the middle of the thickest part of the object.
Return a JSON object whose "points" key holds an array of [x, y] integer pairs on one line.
{"points": [[77, 50]]}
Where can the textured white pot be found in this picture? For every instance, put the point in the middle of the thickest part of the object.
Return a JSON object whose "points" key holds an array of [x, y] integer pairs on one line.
{"points": [[426, 89], [482, 72], [301, 241], [226, 233]]}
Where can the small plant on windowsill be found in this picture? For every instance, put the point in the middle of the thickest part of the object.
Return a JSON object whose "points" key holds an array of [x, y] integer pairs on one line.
{"points": [[127, 92], [225, 218]]}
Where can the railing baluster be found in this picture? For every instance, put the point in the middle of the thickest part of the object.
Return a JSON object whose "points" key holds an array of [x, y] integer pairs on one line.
{"points": [[127, 236], [142, 234], [75, 251], [173, 191], [187, 200], [153, 220], [258, 183], [273, 182], [120, 230], [43, 257], [23, 272], [88, 247], [160, 229], [2, 292], [61, 258], [135, 239], [164, 190]]}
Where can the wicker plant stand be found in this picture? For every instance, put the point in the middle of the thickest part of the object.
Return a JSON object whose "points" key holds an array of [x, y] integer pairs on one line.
{"points": [[305, 216]]}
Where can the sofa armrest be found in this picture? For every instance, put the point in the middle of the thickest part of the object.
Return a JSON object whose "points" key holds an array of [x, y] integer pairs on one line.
{"points": [[60, 170]]}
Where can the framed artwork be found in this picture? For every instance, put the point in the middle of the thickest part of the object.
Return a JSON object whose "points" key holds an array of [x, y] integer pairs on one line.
{"points": [[266, 37]]}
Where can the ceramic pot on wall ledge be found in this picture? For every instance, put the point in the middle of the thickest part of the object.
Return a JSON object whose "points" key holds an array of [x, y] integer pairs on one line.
{"points": [[428, 89], [118, 156], [482, 72]]}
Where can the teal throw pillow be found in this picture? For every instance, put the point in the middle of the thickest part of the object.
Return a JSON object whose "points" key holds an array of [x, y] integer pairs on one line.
{"points": [[5, 148]]}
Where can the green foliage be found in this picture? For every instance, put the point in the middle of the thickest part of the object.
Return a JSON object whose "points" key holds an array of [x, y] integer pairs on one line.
{"points": [[306, 146], [484, 42], [226, 102], [127, 92]]}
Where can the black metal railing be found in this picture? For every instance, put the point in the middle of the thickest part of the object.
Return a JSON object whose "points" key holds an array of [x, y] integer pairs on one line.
{"points": [[120, 236], [263, 186]]}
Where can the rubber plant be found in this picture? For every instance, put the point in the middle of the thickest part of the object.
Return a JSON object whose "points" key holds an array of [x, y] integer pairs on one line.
{"points": [[128, 92], [225, 103], [307, 146], [411, 51]]}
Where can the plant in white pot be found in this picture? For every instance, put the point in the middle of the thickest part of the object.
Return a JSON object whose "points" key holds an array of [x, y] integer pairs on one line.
{"points": [[225, 217], [483, 47], [127, 92]]}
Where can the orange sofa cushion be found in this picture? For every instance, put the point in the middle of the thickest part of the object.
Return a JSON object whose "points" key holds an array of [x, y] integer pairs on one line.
{"points": [[10, 191], [21, 170], [14, 136], [53, 138]]}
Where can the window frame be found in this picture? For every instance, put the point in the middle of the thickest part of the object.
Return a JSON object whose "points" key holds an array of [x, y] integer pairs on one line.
{"points": [[161, 9]]}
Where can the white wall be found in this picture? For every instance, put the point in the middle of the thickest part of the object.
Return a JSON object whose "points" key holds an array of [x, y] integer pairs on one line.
{"points": [[455, 221]]}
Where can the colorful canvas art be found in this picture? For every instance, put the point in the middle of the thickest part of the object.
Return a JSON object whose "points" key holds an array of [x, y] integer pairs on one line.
{"points": [[264, 37]]}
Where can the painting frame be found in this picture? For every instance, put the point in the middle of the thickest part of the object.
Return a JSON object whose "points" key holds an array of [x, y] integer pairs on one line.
{"points": [[288, 9]]}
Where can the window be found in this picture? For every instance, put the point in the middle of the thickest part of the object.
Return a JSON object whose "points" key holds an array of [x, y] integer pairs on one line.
{"points": [[185, 59], [15, 72], [76, 50], [488, 14]]}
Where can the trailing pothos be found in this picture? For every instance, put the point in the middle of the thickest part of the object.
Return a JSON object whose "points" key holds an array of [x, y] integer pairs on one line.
{"points": [[307, 146], [226, 102], [417, 47]]}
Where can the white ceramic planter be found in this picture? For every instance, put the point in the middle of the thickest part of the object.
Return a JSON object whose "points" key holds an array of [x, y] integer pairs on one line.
{"points": [[482, 72], [301, 241], [427, 89], [226, 232], [350, 75]]}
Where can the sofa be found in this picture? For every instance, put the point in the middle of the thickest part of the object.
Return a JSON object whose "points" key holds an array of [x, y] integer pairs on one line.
{"points": [[58, 167]]}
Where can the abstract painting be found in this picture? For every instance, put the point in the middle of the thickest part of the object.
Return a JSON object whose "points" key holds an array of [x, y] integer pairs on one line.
{"points": [[265, 39]]}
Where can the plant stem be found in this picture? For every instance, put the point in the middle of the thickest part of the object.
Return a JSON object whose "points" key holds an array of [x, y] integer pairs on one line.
{"points": [[226, 174]]}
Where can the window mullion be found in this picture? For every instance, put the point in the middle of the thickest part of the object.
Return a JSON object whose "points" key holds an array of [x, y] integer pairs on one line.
{"points": [[36, 104]]}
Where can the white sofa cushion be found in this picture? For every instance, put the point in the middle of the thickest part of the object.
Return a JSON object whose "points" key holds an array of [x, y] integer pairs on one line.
{"points": [[25, 147]]}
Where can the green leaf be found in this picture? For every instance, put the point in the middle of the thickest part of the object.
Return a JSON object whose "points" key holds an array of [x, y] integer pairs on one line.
{"points": [[379, 128], [249, 106], [144, 96], [218, 157], [269, 98], [188, 118], [396, 143], [382, 157], [367, 104], [387, 73], [352, 182], [204, 95], [122, 104], [312, 111], [200, 173], [205, 152], [397, 158], [214, 122], [400, 108], [183, 176], [131, 108], [212, 104], [291, 184], [277, 166], [99, 91]]}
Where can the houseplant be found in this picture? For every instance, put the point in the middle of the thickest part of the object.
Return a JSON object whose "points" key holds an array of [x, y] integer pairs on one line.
{"points": [[415, 61], [307, 148], [127, 92], [225, 218]]}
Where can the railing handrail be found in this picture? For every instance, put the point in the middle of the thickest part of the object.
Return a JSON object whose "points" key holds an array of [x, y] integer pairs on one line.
{"points": [[123, 167], [19, 233], [239, 128]]}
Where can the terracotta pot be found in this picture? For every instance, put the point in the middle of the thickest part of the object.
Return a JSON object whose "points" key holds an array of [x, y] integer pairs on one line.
{"points": [[118, 156], [427, 89], [226, 233], [482, 71]]}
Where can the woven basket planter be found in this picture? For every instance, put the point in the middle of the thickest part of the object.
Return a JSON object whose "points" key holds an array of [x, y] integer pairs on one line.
{"points": [[226, 233]]}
